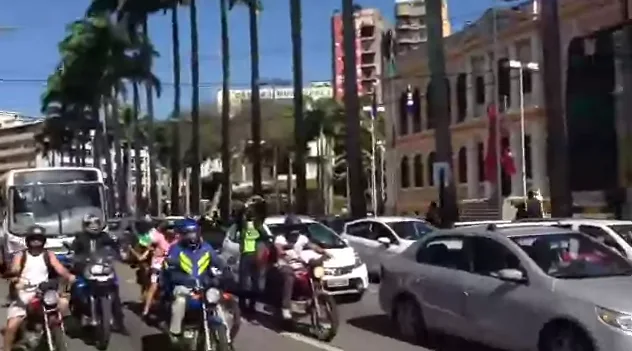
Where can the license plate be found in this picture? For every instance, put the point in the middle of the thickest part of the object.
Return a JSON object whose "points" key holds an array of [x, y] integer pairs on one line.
{"points": [[336, 283]]}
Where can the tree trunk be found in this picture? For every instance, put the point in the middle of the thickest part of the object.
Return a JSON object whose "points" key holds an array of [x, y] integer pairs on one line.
{"points": [[153, 177], [109, 182], [175, 136], [138, 179], [275, 176], [226, 161], [255, 99], [290, 184], [299, 132], [195, 113], [98, 136], [352, 142], [121, 183]]}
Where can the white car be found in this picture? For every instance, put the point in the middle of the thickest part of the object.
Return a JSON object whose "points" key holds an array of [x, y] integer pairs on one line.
{"points": [[375, 238], [345, 273]]}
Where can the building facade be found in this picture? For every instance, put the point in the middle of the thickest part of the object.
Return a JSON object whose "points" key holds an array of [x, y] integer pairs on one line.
{"points": [[410, 24], [369, 26], [18, 147], [471, 63]]}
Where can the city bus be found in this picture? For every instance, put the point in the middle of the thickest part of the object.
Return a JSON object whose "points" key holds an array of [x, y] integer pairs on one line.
{"points": [[55, 198]]}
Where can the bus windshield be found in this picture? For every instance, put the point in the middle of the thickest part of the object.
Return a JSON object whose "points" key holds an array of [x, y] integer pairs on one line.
{"points": [[59, 208]]}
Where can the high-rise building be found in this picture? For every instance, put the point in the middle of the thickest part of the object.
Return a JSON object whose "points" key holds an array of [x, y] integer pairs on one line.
{"points": [[369, 26], [410, 24]]}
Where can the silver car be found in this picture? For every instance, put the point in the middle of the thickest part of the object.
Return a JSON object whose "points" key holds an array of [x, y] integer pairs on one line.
{"points": [[517, 288]]}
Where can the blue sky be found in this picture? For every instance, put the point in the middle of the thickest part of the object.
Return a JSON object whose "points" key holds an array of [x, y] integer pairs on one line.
{"points": [[30, 51]]}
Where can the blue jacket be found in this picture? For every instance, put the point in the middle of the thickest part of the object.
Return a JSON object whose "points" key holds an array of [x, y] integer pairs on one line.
{"points": [[185, 264]]}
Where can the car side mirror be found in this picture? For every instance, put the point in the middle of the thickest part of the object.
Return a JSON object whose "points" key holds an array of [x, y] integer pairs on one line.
{"points": [[384, 241], [510, 275]]}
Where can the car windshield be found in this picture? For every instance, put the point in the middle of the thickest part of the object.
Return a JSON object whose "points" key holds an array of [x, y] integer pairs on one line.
{"points": [[573, 256], [411, 230], [59, 208], [317, 233], [623, 230]]}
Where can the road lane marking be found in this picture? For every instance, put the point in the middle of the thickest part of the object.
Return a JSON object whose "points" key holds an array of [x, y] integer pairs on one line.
{"points": [[309, 341]]}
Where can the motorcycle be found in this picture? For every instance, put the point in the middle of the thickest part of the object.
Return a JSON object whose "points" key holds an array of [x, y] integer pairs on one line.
{"points": [[210, 312], [93, 294], [308, 299], [44, 326]]}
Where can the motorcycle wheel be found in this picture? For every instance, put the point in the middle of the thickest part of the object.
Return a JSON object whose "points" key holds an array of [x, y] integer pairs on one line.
{"points": [[59, 339], [220, 338], [104, 330], [328, 312]]}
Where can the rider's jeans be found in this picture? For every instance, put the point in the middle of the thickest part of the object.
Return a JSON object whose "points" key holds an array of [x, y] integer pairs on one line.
{"points": [[288, 285], [178, 308]]}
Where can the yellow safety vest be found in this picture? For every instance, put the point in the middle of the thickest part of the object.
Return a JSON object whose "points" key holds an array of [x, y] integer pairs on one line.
{"points": [[250, 237]]}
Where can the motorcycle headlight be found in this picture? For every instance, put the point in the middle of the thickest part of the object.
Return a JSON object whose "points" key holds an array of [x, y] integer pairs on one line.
{"points": [[212, 295], [100, 269], [50, 298], [318, 272]]}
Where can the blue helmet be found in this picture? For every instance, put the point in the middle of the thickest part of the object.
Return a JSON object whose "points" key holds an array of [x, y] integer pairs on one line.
{"points": [[189, 229]]}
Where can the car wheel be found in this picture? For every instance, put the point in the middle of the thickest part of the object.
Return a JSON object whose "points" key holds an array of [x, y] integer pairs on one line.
{"points": [[409, 321], [564, 337]]}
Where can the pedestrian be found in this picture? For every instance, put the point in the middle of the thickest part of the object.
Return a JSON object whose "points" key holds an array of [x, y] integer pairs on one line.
{"points": [[521, 212], [534, 205], [432, 215]]}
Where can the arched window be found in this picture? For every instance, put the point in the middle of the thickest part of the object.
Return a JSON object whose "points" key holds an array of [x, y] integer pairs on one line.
{"points": [[416, 111], [418, 171], [403, 114], [430, 163], [404, 173], [462, 160], [461, 97]]}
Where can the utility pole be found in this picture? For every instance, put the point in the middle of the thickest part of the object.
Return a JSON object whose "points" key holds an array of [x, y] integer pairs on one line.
{"points": [[439, 97], [354, 153], [299, 128], [557, 138]]}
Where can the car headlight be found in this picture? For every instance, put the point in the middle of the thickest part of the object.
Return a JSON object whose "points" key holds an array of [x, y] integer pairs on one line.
{"points": [[50, 298], [318, 272], [615, 319], [212, 295], [358, 261]]}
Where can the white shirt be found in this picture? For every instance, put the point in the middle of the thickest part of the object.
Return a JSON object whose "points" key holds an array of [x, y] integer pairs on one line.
{"points": [[35, 270], [293, 255]]}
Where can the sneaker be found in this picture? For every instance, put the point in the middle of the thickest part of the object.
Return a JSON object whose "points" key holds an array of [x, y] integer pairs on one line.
{"points": [[287, 314]]}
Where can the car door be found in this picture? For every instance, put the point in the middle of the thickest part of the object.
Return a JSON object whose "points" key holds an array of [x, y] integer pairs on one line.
{"points": [[358, 235], [438, 283], [494, 306], [378, 251]]}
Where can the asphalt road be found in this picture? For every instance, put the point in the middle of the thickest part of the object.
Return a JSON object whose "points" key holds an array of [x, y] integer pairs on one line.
{"points": [[363, 328]]}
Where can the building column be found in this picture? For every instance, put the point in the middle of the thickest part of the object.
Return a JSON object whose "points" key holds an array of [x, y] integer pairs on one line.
{"points": [[516, 150], [538, 157], [536, 80], [469, 90], [514, 81], [472, 169]]}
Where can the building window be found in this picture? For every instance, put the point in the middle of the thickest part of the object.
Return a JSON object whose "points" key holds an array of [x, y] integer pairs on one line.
{"points": [[462, 160], [416, 109], [481, 161], [430, 165], [430, 117], [418, 171], [479, 89], [527, 81], [461, 97], [403, 114], [504, 82], [404, 173]]}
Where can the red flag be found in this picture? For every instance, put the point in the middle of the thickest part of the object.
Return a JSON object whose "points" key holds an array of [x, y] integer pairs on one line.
{"points": [[506, 158]]}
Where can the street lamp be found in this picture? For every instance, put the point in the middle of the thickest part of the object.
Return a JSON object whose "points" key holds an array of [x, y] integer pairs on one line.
{"points": [[521, 67], [373, 110]]}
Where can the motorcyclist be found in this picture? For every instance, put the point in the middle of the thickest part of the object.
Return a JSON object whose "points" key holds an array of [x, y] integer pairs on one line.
{"points": [[289, 246], [32, 267], [91, 241], [161, 241], [189, 260]]}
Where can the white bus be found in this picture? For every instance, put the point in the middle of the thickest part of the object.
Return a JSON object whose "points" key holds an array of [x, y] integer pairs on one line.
{"points": [[55, 198]]}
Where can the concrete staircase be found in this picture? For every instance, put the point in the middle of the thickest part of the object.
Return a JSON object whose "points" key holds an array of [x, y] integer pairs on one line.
{"points": [[479, 210]]}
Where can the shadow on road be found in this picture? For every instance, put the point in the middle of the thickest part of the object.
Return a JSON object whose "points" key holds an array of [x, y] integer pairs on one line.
{"points": [[380, 324], [154, 342]]}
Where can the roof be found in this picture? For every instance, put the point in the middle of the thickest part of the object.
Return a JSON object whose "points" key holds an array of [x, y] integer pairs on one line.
{"points": [[281, 219], [512, 231], [390, 219], [596, 221]]}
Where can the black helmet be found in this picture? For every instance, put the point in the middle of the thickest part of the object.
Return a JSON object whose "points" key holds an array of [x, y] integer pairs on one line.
{"points": [[292, 220], [35, 233], [92, 224]]}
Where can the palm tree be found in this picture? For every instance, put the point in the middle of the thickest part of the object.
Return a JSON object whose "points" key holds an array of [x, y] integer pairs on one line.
{"points": [[195, 112], [175, 155], [226, 185], [153, 177], [254, 7], [299, 133]]}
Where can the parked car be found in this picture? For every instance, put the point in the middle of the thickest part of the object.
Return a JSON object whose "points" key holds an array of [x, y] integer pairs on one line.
{"points": [[532, 288], [345, 273], [376, 238]]}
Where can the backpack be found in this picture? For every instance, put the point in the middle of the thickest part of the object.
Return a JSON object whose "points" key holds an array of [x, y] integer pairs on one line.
{"points": [[51, 271]]}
